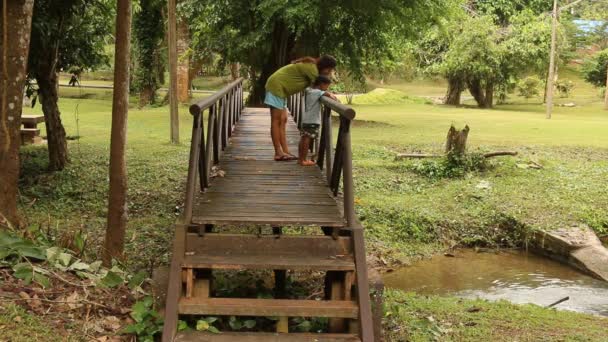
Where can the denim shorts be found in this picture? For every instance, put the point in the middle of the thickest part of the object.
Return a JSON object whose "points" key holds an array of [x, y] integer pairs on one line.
{"points": [[275, 101]]}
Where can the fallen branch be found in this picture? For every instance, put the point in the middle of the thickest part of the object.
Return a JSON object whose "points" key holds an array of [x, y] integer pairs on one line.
{"points": [[417, 156], [402, 156], [500, 153], [558, 302]]}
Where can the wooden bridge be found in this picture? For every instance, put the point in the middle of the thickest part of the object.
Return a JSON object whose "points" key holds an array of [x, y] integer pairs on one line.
{"points": [[233, 181]]}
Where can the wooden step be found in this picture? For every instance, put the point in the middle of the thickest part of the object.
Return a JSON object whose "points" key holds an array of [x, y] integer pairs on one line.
{"points": [[192, 336], [267, 307], [287, 252], [233, 261], [197, 336]]}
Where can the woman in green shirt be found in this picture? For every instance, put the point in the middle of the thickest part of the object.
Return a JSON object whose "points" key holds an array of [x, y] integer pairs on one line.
{"points": [[291, 79]]}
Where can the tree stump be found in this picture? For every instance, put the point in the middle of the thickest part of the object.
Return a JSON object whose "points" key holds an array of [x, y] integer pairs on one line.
{"points": [[456, 143]]}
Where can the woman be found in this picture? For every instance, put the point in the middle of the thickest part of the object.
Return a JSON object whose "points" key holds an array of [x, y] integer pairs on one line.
{"points": [[291, 79]]}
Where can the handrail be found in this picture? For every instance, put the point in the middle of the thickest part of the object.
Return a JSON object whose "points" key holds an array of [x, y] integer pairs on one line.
{"points": [[225, 107], [341, 166], [205, 103]]}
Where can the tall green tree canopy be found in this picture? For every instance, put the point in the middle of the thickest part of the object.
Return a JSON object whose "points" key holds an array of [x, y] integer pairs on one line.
{"points": [[264, 35]]}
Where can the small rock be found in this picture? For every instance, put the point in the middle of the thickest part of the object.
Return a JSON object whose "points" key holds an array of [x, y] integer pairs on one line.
{"points": [[18, 319], [24, 295]]}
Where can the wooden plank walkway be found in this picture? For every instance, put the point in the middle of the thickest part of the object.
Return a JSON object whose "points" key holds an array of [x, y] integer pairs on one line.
{"points": [[255, 189]]}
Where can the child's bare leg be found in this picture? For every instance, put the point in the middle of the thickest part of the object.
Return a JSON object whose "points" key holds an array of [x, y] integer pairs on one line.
{"points": [[303, 151]]}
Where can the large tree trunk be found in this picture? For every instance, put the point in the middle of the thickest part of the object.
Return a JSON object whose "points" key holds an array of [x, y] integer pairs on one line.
{"points": [[489, 95], [183, 65], [56, 137], [235, 71], [117, 203], [282, 44], [455, 89], [479, 92], [15, 43], [195, 68]]}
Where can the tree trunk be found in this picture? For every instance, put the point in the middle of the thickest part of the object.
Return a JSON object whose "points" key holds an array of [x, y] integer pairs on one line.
{"points": [[195, 68], [16, 29], [183, 65], [146, 95], [235, 70], [456, 142], [455, 88], [478, 92], [56, 137], [282, 44], [489, 95], [117, 203], [551, 77]]}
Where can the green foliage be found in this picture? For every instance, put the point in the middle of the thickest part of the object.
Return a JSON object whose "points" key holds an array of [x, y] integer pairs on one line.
{"points": [[149, 32], [147, 324], [206, 324], [451, 166], [74, 31], [564, 87], [502, 11], [529, 87], [358, 33], [596, 69]]}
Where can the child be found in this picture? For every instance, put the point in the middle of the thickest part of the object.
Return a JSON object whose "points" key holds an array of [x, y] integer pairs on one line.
{"points": [[311, 119]]}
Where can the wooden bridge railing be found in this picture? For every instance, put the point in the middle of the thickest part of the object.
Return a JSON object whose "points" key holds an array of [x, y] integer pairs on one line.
{"points": [[338, 166], [224, 111]]}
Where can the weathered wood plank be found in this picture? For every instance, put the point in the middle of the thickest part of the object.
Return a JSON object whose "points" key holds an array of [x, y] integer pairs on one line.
{"points": [[267, 307], [198, 336]]}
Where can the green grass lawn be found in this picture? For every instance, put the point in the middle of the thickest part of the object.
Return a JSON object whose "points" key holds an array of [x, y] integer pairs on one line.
{"points": [[407, 215]]}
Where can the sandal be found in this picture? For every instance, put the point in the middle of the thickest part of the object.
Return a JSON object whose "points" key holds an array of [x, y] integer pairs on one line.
{"points": [[282, 158], [291, 157]]}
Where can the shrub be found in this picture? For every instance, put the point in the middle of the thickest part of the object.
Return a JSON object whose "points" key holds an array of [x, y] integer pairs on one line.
{"points": [[451, 166], [564, 88], [529, 87], [594, 70]]}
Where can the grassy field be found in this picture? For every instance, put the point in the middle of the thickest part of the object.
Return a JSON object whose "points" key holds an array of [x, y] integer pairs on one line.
{"points": [[408, 215]]}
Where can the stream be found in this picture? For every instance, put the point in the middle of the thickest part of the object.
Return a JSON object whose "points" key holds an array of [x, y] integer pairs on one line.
{"points": [[515, 276]]}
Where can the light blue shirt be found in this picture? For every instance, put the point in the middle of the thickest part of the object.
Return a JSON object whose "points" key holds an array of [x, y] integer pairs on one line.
{"points": [[312, 109]]}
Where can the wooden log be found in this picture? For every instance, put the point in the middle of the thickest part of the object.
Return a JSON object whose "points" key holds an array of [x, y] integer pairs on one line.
{"points": [[402, 156]]}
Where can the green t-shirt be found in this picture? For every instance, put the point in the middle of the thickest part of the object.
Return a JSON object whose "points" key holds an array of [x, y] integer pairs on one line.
{"points": [[292, 79]]}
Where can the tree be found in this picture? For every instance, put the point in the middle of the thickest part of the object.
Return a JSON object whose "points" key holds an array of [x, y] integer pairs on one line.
{"points": [[149, 32], [267, 34], [595, 72], [15, 28], [117, 199], [474, 51], [66, 34]]}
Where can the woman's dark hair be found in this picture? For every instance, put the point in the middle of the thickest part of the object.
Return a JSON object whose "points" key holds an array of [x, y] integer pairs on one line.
{"points": [[326, 62], [322, 80]]}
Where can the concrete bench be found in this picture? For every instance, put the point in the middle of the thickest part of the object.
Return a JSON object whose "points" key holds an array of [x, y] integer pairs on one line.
{"points": [[30, 133]]}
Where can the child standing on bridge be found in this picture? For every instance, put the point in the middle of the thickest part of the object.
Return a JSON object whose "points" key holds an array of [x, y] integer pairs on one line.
{"points": [[311, 119]]}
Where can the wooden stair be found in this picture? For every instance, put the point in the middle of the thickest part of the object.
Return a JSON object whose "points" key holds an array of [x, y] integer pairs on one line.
{"points": [[235, 184], [195, 336], [268, 307]]}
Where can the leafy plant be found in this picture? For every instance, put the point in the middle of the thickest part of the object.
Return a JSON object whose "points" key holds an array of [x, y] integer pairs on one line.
{"points": [[595, 69], [147, 321], [564, 87], [451, 166], [529, 87], [206, 324]]}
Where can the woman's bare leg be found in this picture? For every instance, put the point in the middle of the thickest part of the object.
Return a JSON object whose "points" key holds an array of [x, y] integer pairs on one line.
{"points": [[276, 117], [284, 145]]}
